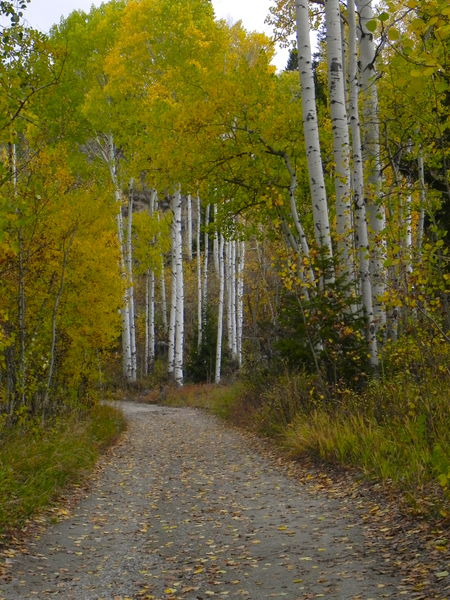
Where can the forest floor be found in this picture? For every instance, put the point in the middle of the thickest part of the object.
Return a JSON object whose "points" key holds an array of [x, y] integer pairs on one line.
{"points": [[185, 508]]}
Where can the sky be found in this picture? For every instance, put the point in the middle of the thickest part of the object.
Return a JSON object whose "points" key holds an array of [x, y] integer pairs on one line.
{"points": [[42, 14]]}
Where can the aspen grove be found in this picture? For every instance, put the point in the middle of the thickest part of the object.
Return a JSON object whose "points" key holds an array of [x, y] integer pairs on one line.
{"points": [[175, 210]]}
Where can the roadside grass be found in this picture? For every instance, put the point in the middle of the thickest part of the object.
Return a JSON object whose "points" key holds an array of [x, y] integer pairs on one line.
{"points": [[37, 463], [395, 431], [219, 399]]}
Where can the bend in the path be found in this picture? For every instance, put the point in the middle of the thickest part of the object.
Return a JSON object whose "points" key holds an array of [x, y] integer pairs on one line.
{"points": [[186, 509]]}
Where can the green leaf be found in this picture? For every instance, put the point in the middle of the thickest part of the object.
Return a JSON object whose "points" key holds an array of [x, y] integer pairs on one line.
{"points": [[371, 25], [393, 34], [442, 574], [384, 16]]}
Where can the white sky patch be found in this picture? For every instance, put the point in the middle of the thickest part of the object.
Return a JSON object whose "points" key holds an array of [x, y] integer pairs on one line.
{"points": [[42, 14]]}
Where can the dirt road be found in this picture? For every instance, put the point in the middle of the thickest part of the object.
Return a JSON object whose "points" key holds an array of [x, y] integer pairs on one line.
{"points": [[185, 509]]}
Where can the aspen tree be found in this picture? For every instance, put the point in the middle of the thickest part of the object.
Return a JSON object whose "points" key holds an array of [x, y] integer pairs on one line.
{"points": [[110, 156], [371, 145], [359, 205], [150, 303], [205, 265], [173, 295], [216, 242], [179, 282], [229, 294], [234, 290], [240, 300], [199, 275], [341, 141], [129, 263], [221, 273], [189, 227], [162, 281], [311, 131]]}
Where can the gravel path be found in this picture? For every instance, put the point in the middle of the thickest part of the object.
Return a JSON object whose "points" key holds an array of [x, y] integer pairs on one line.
{"points": [[186, 509]]}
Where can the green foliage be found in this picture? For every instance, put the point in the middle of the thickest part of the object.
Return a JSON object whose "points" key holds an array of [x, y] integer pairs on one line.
{"points": [[201, 361], [13, 10], [37, 462], [322, 334]]}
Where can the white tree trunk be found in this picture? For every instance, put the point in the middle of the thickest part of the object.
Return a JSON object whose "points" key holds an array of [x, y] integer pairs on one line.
{"points": [[131, 303], [233, 286], [240, 300], [165, 319], [205, 266], [361, 234], [152, 337], [199, 275], [216, 242], [110, 157], [341, 139], [162, 282], [311, 131], [173, 298], [149, 321], [408, 231], [189, 227], [229, 292], [303, 241], [179, 320], [220, 311], [150, 340], [371, 155]]}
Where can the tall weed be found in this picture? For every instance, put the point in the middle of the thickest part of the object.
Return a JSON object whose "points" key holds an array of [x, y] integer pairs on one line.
{"points": [[36, 463]]}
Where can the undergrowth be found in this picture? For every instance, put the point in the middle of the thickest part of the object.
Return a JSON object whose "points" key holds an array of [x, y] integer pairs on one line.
{"points": [[36, 463], [395, 430]]}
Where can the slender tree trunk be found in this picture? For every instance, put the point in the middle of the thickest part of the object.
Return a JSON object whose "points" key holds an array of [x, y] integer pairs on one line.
{"points": [[341, 141], [150, 284], [303, 241], [220, 312], [371, 155], [179, 320], [240, 300], [173, 299], [199, 276], [362, 235], [52, 357], [311, 131], [205, 266], [162, 282], [189, 227], [110, 156], [147, 323], [131, 302], [408, 231], [234, 292], [229, 292], [216, 242]]}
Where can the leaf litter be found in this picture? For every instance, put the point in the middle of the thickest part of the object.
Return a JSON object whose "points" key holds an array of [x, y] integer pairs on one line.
{"points": [[186, 509]]}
